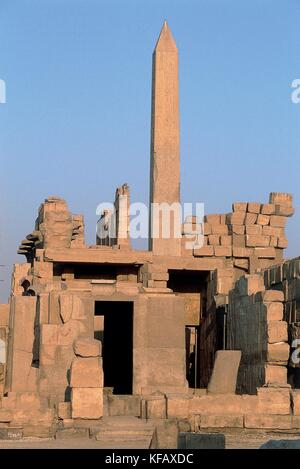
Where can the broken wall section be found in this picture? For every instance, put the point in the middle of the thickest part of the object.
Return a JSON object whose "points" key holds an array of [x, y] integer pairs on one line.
{"points": [[255, 325], [252, 235], [113, 225], [55, 227], [285, 277]]}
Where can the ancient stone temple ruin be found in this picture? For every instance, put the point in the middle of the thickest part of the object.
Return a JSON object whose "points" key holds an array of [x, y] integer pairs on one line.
{"points": [[178, 338]]}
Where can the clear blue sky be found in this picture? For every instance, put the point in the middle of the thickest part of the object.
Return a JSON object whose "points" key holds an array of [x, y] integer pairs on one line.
{"points": [[77, 118]]}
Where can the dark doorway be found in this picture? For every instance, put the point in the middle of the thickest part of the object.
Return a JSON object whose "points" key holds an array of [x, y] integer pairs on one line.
{"points": [[117, 344], [192, 286]]}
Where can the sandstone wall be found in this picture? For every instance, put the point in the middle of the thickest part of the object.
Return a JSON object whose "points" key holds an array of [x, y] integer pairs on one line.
{"points": [[252, 235], [55, 227]]}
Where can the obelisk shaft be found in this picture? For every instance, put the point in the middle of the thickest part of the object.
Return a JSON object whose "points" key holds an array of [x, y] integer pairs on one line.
{"points": [[165, 154]]}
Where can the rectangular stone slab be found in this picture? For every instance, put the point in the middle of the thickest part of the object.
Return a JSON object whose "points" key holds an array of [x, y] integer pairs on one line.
{"points": [[224, 375]]}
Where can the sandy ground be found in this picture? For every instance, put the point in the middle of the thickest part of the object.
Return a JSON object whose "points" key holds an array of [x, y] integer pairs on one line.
{"points": [[234, 440]]}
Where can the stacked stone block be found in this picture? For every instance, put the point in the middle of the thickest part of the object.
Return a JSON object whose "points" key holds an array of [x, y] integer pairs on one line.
{"points": [[255, 326], [62, 319], [286, 277], [192, 235], [217, 239], [253, 234], [154, 276], [55, 227], [86, 380]]}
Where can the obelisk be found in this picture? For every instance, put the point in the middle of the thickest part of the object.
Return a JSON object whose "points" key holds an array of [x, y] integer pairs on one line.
{"points": [[165, 154]]}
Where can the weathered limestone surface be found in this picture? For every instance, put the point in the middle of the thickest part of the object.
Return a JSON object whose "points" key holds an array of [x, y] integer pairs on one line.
{"points": [[159, 358], [87, 403], [20, 375], [84, 347], [86, 373], [224, 375]]}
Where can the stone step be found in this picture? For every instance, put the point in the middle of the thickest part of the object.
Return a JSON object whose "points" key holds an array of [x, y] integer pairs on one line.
{"points": [[123, 445], [124, 432], [125, 421], [124, 441]]}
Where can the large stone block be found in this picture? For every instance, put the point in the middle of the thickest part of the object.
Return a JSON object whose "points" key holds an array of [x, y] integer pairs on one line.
{"points": [[20, 370], [278, 353], [165, 435], [265, 253], [271, 422], [224, 376], [156, 407], [226, 240], [242, 263], [219, 229], [282, 242], [236, 218], [242, 252], [277, 331], [275, 374], [217, 404], [239, 206], [263, 220], [86, 373], [257, 240], [253, 207], [222, 421], [177, 406], [203, 251], [33, 417], [274, 400], [87, 403], [250, 219], [124, 405], [213, 219], [270, 295], [223, 251], [268, 209], [237, 229], [277, 221], [23, 319], [214, 240], [253, 230], [273, 311], [84, 347]]}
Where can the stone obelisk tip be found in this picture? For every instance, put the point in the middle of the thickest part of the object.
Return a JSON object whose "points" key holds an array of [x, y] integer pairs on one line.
{"points": [[166, 41]]}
